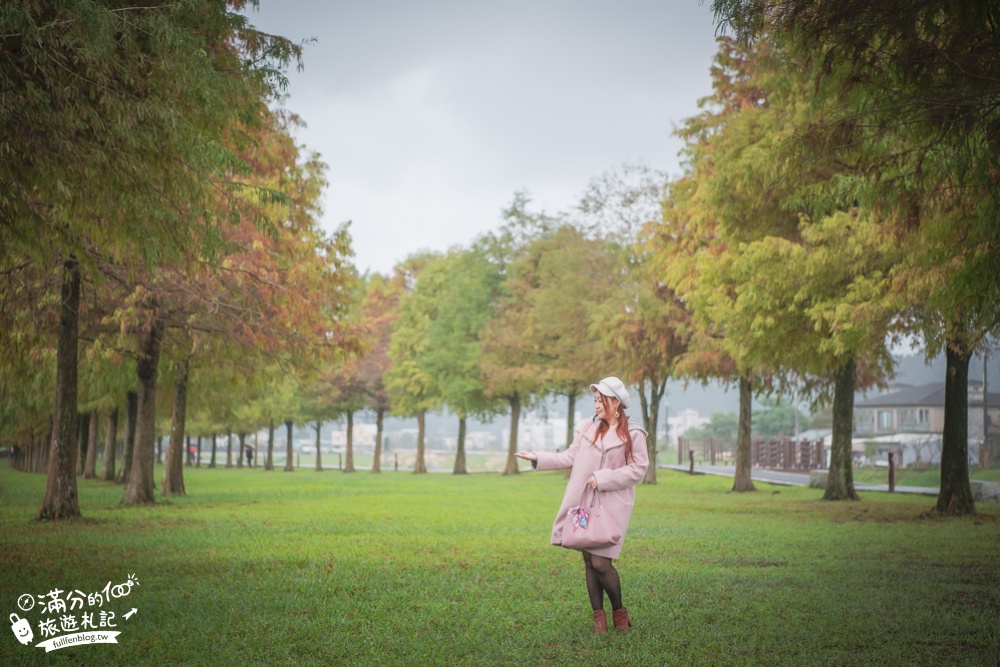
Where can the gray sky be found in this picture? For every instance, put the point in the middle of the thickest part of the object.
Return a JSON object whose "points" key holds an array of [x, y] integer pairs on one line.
{"points": [[431, 114]]}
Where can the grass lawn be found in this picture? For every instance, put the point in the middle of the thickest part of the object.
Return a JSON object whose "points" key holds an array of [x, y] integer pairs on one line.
{"points": [[928, 478], [259, 568]]}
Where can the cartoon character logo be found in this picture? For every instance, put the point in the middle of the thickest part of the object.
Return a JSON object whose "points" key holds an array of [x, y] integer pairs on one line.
{"points": [[21, 628]]}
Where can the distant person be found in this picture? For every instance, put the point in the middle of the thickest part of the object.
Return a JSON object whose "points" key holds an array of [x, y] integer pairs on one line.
{"points": [[249, 457], [608, 454]]}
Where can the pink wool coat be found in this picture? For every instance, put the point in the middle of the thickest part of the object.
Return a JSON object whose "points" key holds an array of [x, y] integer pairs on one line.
{"points": [[616, 479]]}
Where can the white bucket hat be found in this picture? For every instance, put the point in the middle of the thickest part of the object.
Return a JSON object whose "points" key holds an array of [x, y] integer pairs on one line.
{"points": [[613, 387]]}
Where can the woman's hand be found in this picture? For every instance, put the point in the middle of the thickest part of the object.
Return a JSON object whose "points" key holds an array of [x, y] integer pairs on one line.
{"points": [[528, 456], [592, 482]]}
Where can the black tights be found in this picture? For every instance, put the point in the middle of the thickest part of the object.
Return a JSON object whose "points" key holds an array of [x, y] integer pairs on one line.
{"points": [[602, 577]]}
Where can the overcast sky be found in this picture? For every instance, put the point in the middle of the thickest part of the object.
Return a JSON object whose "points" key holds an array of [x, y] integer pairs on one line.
{"points": [[431, 114]]}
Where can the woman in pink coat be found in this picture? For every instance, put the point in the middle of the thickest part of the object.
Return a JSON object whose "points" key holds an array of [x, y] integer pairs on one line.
{"points": [[608, 454]]}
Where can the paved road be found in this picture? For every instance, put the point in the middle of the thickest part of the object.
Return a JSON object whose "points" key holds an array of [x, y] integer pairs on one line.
{"points": [[797, 479]]}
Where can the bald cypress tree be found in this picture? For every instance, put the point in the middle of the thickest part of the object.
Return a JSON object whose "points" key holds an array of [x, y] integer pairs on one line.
{"points": [[114, 130], [911, 87]]}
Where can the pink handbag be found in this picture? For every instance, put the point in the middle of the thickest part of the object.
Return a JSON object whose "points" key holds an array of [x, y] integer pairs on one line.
{"points": [[588, 526]]}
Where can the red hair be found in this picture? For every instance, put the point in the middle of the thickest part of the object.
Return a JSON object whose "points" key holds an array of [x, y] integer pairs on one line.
{"points": [[610, 405]]}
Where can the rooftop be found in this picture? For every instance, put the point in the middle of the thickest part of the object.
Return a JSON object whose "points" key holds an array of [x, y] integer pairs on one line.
{"points": [[925, 395]]}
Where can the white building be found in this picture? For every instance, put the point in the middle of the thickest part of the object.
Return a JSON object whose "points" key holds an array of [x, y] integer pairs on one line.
{"points": [[678, 424], [535, 433], [363, 435], [474, 441]]}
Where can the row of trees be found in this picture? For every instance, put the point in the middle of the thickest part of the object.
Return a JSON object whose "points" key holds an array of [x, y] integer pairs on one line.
{"points": [[841, 189], [809, 227], [157, 219], [159, 228], [834, 199], [839, 193], [546, 304]]}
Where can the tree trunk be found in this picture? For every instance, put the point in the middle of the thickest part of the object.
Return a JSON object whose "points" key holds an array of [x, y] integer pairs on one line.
{"points": [[643, 405], [22, 459], [20, 453], [40, 459], [319, 450], [229, 448], [515, 417], [243, 449], [742, 480], [36, 449], [197, 463], [215, 449], [377, 463], [42, 463], [955, 496], [984, 451], [131, 414], [570, 418], [269, 461], [460, 468], [110, 445], [140, 486], [349, 462], [419, 466], [60, 500], [173, 473], [840, 477], [90, 467], [82, 433], [289, 453], [159, 449], [652, 424]]}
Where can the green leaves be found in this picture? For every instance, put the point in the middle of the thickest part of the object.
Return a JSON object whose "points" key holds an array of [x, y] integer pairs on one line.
{"points": [[906, 93], [786, 280], [115, 124]]}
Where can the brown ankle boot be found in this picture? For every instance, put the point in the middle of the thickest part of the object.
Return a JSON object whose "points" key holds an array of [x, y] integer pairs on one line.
{"points": [[621, 619], [600, 621]]}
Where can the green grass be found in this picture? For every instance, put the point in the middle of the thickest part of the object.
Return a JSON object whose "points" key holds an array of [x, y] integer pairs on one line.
{"points": [[926, 478], [258, 568], [403, 461]]}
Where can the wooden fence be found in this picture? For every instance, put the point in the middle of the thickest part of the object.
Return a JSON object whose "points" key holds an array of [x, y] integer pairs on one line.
{"points": [[773, 453]]}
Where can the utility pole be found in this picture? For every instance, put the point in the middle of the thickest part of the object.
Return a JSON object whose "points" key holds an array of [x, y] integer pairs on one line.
{"points": [[795, 406], [986, 415]]}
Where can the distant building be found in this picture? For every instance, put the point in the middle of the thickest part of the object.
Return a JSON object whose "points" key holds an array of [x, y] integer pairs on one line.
{"points": [[909, 421], [906, 409], [535, 433], [362, 435], [474, 441], [678, 424]]}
